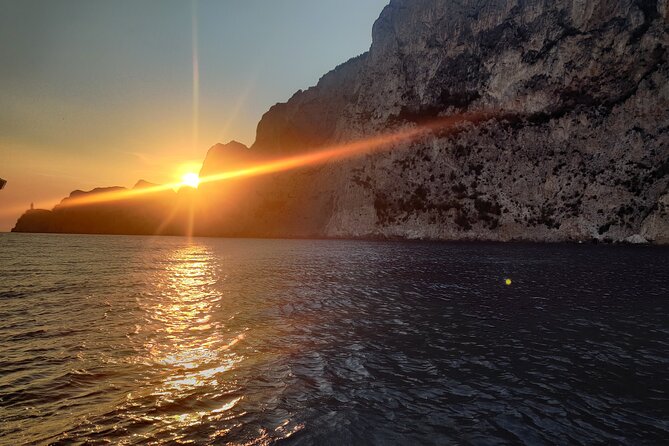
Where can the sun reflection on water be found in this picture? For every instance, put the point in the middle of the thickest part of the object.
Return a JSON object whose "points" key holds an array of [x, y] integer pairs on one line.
{"points": [[208, 357], [191, 351]]}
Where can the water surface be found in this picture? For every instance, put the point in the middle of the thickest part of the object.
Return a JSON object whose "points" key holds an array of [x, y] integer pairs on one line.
{"points": [[141, 340]]}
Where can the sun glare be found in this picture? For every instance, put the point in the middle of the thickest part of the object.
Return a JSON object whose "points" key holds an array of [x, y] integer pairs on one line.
{"points": [[191, 180], [188, 178]]}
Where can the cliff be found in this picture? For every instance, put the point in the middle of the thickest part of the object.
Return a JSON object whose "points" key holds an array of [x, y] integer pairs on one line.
{"points": [[579, 148], [575, 145]]}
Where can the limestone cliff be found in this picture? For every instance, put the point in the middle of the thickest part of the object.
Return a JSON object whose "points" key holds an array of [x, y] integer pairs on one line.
{"points": [[575, 145], [579, 148]]}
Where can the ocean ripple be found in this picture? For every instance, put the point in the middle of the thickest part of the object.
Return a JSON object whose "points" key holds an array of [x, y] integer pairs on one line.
{"points": [[141, 340]]}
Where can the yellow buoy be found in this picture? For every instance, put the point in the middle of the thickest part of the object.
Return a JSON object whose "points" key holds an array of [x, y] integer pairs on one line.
{"points": [[508, 281]]}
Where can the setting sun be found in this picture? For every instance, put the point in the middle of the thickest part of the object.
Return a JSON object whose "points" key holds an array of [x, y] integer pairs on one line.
{"points": [[191, 180], [307, 232]]}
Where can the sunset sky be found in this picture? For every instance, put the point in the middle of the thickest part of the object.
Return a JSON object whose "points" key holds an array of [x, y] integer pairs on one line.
{"points": [[101, 93]]}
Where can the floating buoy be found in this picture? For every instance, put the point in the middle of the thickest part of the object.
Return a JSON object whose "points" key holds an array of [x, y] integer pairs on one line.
{"points": [[507, 282]]}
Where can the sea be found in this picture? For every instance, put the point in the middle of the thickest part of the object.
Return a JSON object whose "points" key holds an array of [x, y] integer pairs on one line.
{"points": [[166, 340]]}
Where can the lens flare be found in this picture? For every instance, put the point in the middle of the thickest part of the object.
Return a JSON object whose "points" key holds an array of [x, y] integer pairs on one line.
{"points": [[196, 75], [191, 180], [307, 158]]}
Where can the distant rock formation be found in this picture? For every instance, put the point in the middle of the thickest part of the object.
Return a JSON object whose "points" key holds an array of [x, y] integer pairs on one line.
{"points": [[159, 213], [577, 147], [226, 157]]}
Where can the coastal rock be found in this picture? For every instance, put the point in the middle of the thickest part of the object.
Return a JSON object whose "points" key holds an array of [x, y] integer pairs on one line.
{"points": [[227, 157], [636, 239], [656, 226], [115, 213], [571, 143], [576, 147], [142, 184]]}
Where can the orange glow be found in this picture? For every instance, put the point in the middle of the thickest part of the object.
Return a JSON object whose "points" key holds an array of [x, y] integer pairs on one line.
{"points": [[105, 197], [321, 156], [191, 180]]}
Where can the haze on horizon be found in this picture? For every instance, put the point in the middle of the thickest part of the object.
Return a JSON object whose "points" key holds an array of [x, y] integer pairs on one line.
{"points": [[100, 93]]}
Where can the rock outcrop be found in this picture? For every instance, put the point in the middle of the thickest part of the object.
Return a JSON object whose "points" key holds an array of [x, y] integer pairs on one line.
{"points": [[575, 144], [579, 148], [157, 213]]}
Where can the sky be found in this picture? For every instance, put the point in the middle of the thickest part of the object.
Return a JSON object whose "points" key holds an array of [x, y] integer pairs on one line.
{"points": [[104, 93]]}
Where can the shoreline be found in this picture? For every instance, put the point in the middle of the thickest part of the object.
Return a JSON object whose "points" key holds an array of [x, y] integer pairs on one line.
{"points": [[593, 242]]}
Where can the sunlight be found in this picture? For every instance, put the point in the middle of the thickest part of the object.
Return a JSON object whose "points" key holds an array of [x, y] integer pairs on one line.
{"points": [[196, 74], [190, 350], [191, 180], [307, 158]]}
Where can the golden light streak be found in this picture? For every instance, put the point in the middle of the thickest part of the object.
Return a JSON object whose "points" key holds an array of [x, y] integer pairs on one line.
{"points": [[196, 75], [191, 220], [186, 168], [126, 194], [191, 179], [338, 152], [167, 221], [347, 150], [237, 107]]}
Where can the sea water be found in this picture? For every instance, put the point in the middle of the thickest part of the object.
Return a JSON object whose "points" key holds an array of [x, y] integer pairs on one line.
{"points": [[160, 340]]}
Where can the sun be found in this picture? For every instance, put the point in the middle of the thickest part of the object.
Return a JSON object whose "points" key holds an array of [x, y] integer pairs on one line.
{"points": [[190, 179]]}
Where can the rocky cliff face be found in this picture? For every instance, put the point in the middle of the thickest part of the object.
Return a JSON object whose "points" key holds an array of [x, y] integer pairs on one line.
{"points": [[575, 145], [578, 149]]}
